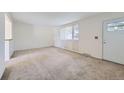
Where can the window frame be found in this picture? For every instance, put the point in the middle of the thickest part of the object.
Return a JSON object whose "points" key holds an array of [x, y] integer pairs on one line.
{"points": [[72, 32]]}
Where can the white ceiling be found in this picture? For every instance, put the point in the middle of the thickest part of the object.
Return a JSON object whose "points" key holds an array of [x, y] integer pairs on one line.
{"points": [[50, 18]]}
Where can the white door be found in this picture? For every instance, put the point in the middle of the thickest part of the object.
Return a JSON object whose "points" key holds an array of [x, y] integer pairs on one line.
{"points": [[113, 40]]}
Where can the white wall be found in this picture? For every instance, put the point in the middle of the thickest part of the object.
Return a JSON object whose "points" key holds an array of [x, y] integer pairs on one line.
{"points": [[2, 43], [28, 36], [89, 27], [11, 43]]}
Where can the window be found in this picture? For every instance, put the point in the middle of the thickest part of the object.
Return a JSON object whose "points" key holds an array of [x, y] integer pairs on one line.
{"points": [[70, 33], [115, 26], [76, 32], [8, 28]]}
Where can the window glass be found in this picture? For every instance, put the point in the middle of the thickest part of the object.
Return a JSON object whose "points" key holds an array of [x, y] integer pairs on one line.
{"points": [[121, 26], [62, 34], [116, 26], [68, 33], [76, 32]]}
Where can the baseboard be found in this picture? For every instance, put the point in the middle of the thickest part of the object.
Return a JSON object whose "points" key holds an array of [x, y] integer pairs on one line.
{"points": [[33, 48], [84, 54], [112, 62]]}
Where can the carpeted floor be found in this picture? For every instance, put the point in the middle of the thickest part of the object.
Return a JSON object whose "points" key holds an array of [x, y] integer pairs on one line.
{"points": [[58, 64]]}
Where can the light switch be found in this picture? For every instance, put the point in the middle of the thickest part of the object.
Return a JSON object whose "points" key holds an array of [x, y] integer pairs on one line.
{"points": [[96, 37]]}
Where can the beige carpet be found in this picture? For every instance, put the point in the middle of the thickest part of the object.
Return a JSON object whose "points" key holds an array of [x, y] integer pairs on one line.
{"points": [[54, 63]]}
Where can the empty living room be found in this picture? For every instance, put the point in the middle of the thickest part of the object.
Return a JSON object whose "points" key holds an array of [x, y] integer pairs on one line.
{"points": [[62, 46]]}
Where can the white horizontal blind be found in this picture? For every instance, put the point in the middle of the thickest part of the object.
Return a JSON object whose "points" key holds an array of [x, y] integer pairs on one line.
{"points": [[8, 28]]}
